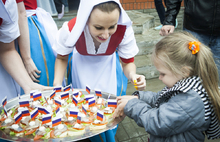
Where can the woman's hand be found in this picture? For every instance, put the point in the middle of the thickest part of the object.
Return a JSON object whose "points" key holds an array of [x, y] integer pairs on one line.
{"points": [[32, 70], [138, 81]]}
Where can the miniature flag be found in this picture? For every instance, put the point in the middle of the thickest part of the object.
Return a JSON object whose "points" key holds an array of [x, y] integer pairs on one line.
{"points": [[57, 89], [87, 97], [46, 118], [75, 101], [5, 111], [100, 115], [34, 113], [84, 110], [32, 92], [41, 109], [52, 95], [18, 117], [78, 119], [37, 96], [112, 103], [76, 93], [67, 88], [58, 102], [4, 101], [24, 103], [91, 102], [64, 95], [25, 112], [88, 89], [56, 121], [73, 112], [46, 111], [57, 110], [98, 93]]}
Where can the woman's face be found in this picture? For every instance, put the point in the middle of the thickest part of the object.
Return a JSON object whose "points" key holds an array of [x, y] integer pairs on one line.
{"points": [[102, 24]]}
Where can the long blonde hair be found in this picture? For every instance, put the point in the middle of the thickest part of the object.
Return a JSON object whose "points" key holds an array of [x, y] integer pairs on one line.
{"points": [[173, 51]]}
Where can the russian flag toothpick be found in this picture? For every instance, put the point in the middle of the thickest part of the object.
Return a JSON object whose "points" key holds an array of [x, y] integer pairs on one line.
{"points": [[88, 89], [34, 113], [75, 100], [45, 99], [46, 119], [56, 121], [98, 93], [5, 111], [91, 102], [58, 102], [32, 92], [52, 95], [76, 93], [4, 101], [87, 97], [25, 112], [37, 96], [41, 109], [112, 103], [67, 88], [73, 112], [57, 110], [46, 111], [57, 89], [78, 119], [100, 115], [84, 110], [24, 103], [64, 95], [18, 117]]}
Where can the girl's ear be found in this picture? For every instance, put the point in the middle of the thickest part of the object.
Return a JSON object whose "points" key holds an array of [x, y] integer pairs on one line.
{"points": [[186, 71]]}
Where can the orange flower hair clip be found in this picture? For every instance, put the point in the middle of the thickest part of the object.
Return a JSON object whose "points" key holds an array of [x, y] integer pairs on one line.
{"points": [[194, 46]]}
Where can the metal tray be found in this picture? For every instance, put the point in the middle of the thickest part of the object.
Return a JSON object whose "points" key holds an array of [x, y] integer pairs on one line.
{"points": [[88, 133]]}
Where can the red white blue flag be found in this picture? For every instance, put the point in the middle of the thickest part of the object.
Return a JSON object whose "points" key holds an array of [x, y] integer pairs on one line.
{"points": [[57, 110], [57, 89], [78, 119], [5, 111], [56, 121], [52, 95], [25, 112], [45, 99], [84, 110], [34, 113], [67, 88], [32, 92], [37, 96], [4, 101], [46, 118], [73, 112], [41, 109], [24, 103], [87, 97], [57, 102], [100, 115], [64, 95], [112, 103], [88, 89], [18, 117], [98, 93], [75, 100], [91, 102], [76, 93]]}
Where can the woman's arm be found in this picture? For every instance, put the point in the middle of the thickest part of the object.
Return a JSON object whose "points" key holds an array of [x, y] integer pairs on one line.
{"points": [[129, 70], [60, 68], [24, 43]]}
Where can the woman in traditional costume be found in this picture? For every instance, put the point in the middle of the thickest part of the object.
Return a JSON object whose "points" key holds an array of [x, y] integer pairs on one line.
{"points": [[100, 34]]}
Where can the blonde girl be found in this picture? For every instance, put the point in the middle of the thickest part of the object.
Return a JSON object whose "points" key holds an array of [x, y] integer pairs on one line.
{"points": [[189, 104]]}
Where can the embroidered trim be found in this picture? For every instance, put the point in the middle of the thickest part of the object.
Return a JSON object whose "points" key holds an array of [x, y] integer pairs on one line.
{"points": [[194, 83]]}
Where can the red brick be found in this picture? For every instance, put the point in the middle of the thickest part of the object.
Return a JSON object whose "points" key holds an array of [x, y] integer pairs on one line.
{"points": [[128, 1], [131, 6], [141, 0]]}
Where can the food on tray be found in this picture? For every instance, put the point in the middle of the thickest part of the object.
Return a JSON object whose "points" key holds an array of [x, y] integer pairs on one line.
{"points": [[63, 113]]}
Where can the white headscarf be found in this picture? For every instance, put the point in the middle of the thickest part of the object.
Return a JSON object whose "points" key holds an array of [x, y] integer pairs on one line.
{"points": [[85, 8]]}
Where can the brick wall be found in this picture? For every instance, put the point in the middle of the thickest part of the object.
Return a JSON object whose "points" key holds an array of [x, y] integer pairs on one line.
{"points": [[138, 4]]}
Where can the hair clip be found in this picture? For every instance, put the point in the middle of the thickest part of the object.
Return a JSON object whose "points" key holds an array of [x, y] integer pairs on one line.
{"points": [[194, 46]]}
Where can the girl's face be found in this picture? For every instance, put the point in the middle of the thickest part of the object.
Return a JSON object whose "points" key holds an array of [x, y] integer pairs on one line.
{"points": [[102, 24], [166, 76]]}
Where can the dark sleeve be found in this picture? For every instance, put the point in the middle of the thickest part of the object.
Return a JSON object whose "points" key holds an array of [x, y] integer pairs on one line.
{"points": [[173, 7]]}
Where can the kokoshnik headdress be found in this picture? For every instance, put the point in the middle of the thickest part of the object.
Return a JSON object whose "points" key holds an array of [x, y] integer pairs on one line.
{"points": [[84, 10]]}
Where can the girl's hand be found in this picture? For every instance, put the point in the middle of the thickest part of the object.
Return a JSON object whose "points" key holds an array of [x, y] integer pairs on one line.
{"points": [[121, 103], [32, 70], [138, 81]]}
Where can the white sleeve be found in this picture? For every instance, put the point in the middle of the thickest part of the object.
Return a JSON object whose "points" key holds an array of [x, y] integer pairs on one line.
{"points": [[61, 37], [9, 31], [128, 47]]}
